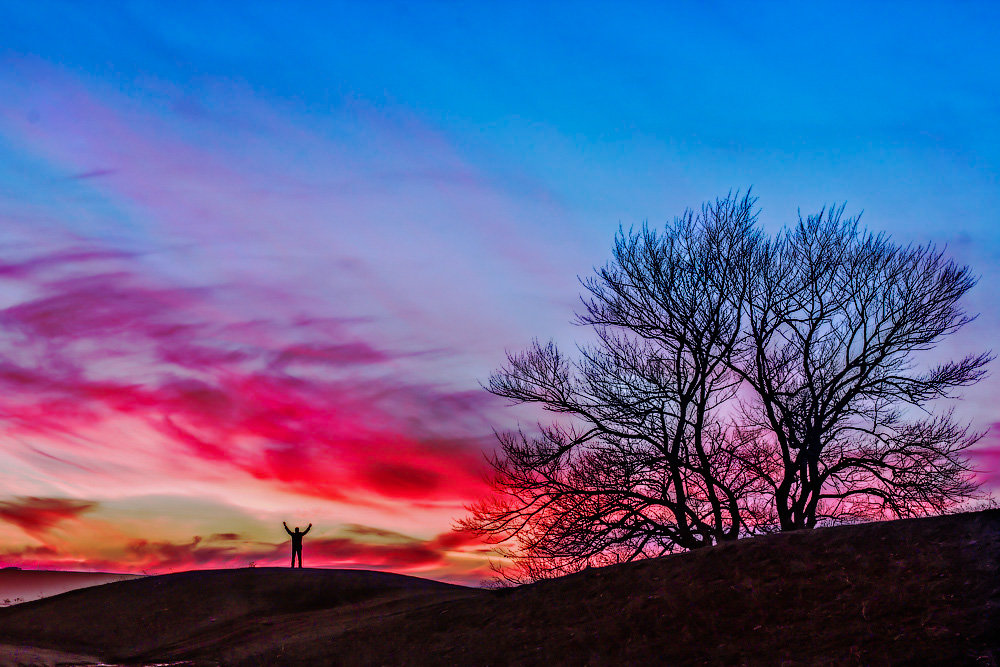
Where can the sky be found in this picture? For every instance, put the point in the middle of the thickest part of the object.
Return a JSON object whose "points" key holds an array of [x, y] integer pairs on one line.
{"points": [[257, 258]]}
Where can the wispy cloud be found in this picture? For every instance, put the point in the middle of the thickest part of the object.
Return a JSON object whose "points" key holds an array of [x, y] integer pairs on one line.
{"points": [[320, 412], [93, 173]]}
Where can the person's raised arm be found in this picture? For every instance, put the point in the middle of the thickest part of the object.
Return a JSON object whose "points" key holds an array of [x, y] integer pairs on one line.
{"points": [[286, 527], [307, 529]]}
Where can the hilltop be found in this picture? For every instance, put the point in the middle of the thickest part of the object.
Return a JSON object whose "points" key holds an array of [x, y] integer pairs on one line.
{"points": [[917, 591]]}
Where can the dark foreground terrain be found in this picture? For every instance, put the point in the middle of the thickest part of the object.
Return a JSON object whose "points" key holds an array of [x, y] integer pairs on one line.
{"points": [[923, 591]]}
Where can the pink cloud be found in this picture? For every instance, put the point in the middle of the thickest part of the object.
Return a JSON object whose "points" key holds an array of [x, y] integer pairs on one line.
{"points": [[350, 215], [987, 457], [342, 551], [305, 406], [346, 354]]}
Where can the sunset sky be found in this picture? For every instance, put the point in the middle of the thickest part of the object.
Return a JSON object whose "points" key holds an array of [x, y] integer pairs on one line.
{"points": [[255, 261]]}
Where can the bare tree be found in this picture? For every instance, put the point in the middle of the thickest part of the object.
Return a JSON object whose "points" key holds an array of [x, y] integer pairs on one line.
{"points": [[737, 385], [641, 462], [837, 318]]}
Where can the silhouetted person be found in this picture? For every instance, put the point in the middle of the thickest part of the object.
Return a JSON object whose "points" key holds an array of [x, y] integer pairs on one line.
{"points": [[296, 541]]}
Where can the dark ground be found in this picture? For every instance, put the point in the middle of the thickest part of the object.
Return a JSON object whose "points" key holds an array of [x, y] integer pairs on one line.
{"points": [[917, 592]]}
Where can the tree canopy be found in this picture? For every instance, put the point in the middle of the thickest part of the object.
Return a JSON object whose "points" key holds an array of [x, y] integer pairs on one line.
{"points": [[737, 384]]}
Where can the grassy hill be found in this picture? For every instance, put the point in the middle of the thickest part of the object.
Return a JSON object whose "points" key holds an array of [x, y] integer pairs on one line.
{"points": [[922, 591]]}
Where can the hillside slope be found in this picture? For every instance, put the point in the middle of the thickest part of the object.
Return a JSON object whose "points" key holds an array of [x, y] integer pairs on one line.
{"points": [[252, 608], [19, 585], [920, 591]]}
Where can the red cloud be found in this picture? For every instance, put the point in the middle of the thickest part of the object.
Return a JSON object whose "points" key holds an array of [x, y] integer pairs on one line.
{"points": [[173, 556], [341, 551], [39, 514], [400, 480], [299, 402], [454, 539]]}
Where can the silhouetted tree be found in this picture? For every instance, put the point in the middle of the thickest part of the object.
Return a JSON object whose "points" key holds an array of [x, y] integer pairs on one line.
{"points": [[641, 463], [837, 319], [737, 385]]}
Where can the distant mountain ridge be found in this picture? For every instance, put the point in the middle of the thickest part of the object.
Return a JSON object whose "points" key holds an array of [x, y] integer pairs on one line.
{"points": [[917, 591]]}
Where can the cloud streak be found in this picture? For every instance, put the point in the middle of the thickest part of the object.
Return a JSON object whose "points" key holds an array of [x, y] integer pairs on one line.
{"points": [[313, 409]]}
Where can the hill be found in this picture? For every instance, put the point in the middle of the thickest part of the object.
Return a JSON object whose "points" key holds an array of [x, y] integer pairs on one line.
{"points": [[25, 585], [920, 591]]}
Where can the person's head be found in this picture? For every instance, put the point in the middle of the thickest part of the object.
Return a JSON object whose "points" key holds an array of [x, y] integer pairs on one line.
{"points": [[296, 529]]}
